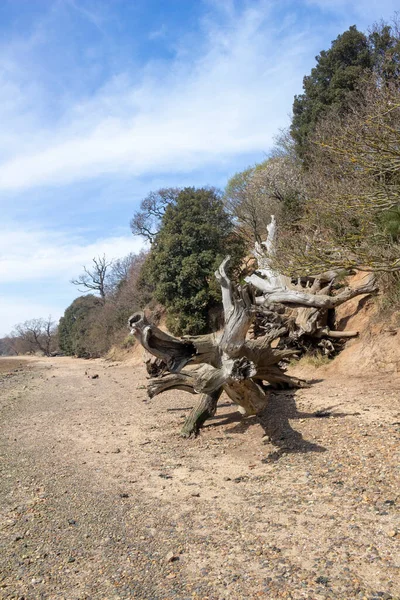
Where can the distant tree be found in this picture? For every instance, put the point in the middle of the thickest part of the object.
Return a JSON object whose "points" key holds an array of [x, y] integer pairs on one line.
{"points": [[119, 273], [146, 221], [96, 278], [92, 324], [12, 344], [243, 205], [121, 267], [196, 233], [5, 348], [127, 296], [37, 335]]}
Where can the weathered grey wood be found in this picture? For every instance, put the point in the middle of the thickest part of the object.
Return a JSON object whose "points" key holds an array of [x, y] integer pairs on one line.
{"points": [[339, 334], [209, 379], [262, 355], [204, 379], [263, 253], [237, 324], [296, 298], [175, 353], [248, 394], [205, 409], [185, 381], [312, 321], [277, 378], [226, 287], [155, 367], [206, 346]]}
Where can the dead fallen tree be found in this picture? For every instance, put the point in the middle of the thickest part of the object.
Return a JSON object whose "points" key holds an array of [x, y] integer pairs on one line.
{"points": [[225, 362], [229, 361]]}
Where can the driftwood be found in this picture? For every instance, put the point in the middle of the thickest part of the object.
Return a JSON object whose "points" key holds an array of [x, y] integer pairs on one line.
{"points": [[245, 368], [227, 362], [302, 308]]}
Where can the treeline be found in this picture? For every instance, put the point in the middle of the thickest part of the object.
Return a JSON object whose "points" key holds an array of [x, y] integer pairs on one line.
{"points": [[96, 321], [332, 181], [190, 232], [30, 337]]}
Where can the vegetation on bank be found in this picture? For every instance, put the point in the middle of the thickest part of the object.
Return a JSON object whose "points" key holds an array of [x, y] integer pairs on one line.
{"points": [[332, 181]]}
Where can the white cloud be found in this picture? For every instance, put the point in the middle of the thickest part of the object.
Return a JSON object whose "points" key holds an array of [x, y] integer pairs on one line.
{"points": [[36, 268], [40, 256], [230, 99], [222, 96], [158, 33]]}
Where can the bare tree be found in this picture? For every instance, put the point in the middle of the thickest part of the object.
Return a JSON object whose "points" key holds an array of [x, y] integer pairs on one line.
{"points": [[127, 292], [272, 187], [37, 335], [146, 221], [13, 344], [96, 278], [120, 270]]}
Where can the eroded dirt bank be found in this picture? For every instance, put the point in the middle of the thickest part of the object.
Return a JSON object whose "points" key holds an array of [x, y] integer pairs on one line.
{"points": [[101, 498]]}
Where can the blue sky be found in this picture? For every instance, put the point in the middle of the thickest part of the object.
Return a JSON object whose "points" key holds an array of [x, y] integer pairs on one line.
{"points": [[102, 101]]}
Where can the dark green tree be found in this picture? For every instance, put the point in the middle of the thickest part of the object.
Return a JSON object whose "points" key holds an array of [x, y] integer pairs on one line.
{"points": [[74, 327], [339, 73], [330, 84], [196, 233]]}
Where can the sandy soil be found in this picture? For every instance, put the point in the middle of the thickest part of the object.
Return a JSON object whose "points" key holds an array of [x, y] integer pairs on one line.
{"points": [[101, 498]]}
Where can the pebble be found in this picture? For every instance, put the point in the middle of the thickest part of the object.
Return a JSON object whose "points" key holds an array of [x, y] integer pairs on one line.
{"points": [[171, 557]]}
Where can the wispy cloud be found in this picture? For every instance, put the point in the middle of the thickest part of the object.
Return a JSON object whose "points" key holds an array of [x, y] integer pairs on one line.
{"points": [[40, 255], [193, 112], [94, 17], [224, 95], [36, 267], [158, 33]]}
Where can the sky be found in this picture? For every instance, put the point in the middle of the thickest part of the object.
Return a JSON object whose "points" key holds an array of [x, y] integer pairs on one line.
{"points": [[102, 101]]}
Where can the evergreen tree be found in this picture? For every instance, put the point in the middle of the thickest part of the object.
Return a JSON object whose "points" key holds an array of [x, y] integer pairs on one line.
{"points": [[330, 84], [196, 234], [75, 325], [352, 58]]}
